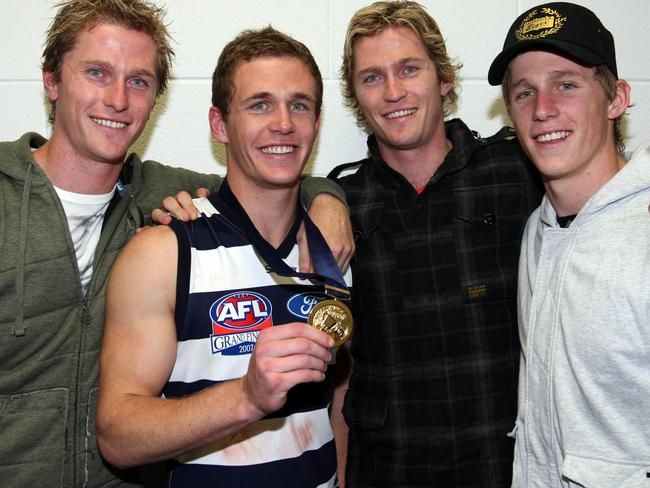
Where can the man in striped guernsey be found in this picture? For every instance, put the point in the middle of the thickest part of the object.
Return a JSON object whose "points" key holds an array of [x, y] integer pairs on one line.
{"points": [[207, 359]]}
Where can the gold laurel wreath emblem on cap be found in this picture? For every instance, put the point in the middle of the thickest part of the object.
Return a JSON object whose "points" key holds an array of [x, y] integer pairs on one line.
{"points": [[551, 23]]}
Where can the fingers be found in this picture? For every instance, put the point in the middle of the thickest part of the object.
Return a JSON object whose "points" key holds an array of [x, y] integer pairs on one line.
{"points": [[159, 216], [202, 192], [344, 253], [343, 243], [304, 258], [296, 338], [181, 206], [332, 219], [284, 356]]}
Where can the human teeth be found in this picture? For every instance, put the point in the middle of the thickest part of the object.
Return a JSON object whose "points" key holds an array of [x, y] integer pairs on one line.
{"points": [[400, 113], [553, 136], [109, 123], [278, 149]]}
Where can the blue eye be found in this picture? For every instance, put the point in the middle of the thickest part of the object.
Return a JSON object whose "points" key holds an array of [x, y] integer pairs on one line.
{"points": [[524, 94], [139, 82], [371, 79], [259, 106], [298, 106]]}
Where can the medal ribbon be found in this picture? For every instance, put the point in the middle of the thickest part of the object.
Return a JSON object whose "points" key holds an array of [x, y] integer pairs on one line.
{"points": [[327, 270]]}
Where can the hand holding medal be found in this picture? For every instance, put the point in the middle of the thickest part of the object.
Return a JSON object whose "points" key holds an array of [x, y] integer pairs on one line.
{"points": [[331, 316]]}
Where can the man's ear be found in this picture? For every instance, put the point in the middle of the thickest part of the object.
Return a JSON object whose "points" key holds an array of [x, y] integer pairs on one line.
{"points": [[445, 86], [621, 100], [51, 86], [218, 125]]}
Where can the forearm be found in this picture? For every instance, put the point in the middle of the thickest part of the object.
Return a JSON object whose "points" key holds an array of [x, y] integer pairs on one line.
{"points": [[312, 186], [138, 429], [339, 426]]}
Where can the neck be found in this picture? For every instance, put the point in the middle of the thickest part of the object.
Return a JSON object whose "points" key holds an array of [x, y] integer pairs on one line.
{"points": [[272, 210], [417, 164], [568, 195], [69, 171]]}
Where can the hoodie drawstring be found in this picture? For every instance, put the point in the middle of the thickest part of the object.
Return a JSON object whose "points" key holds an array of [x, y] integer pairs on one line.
{"points": [[19, 324]]}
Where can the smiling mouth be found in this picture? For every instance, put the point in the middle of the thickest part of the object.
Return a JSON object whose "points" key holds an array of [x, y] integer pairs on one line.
{"points": [[553, 136], [400, 113], [278, 149], [111, 124]]}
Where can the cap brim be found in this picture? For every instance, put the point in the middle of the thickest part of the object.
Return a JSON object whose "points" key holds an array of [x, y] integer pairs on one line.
{"points": [[500, 64]]}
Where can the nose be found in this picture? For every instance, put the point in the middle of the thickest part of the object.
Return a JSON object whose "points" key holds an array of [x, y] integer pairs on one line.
{"points": [[545, 106], [394, 89], [282, 120], [116, 97]]}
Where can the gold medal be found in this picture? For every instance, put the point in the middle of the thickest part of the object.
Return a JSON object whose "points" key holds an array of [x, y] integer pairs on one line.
{"points": [[334, 318]]}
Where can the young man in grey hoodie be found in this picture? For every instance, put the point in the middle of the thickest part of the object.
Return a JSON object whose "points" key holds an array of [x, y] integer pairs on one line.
{"points": [[584, 309]]}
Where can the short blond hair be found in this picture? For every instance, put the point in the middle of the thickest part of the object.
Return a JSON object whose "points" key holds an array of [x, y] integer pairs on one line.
{"points": [[76, 16], [371, 20]]}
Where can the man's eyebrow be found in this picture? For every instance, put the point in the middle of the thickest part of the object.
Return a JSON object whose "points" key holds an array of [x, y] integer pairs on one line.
{"points": [[143, 72], [257, 96], [564, 73], [93, 63], [520, 83], [268, 96], [302, 96], [555, 75], [368, 70], [399, 62], [107, 66]]}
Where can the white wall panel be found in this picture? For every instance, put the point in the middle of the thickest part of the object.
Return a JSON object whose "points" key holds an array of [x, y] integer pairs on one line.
{"points": [[178, 132]]}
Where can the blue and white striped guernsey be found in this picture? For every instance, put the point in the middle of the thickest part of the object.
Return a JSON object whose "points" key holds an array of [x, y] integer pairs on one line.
{"points": [[225, 296]]}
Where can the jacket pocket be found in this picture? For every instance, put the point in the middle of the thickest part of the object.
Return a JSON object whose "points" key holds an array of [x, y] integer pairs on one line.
{"points": [[97, 471], [597, 473], [33, 433], [364, 413], [488, 225]]}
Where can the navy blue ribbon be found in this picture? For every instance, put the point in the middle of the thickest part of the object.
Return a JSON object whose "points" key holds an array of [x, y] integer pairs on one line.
{"points": [[326, 267]]}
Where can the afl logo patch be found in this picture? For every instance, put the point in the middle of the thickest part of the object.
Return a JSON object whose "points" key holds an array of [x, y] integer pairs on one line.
{"points": [[302, 304], [242, 311]]}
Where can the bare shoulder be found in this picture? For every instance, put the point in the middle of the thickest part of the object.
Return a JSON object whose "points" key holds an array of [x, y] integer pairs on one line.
{"points": [[153, 243], [150, 257]]}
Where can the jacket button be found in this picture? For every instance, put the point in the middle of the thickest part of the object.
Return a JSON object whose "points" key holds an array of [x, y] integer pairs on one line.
{"points": [[489, 218]]}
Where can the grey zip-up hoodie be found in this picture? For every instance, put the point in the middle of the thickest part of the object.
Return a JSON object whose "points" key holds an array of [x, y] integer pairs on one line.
{"points": [[584, 316], [50, 332]]}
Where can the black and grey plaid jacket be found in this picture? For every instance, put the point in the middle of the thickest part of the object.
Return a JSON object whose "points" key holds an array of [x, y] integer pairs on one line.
{"points": [[433, 390]]}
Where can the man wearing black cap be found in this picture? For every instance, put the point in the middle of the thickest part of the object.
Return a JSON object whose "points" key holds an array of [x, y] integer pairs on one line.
{"points": [[584, 309]]}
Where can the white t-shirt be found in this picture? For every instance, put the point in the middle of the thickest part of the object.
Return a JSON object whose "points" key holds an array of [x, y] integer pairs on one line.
{"points": [[85, 215]]}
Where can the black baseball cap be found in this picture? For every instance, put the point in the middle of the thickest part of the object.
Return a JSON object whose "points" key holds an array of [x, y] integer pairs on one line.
{"points": [[560, 26]]}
